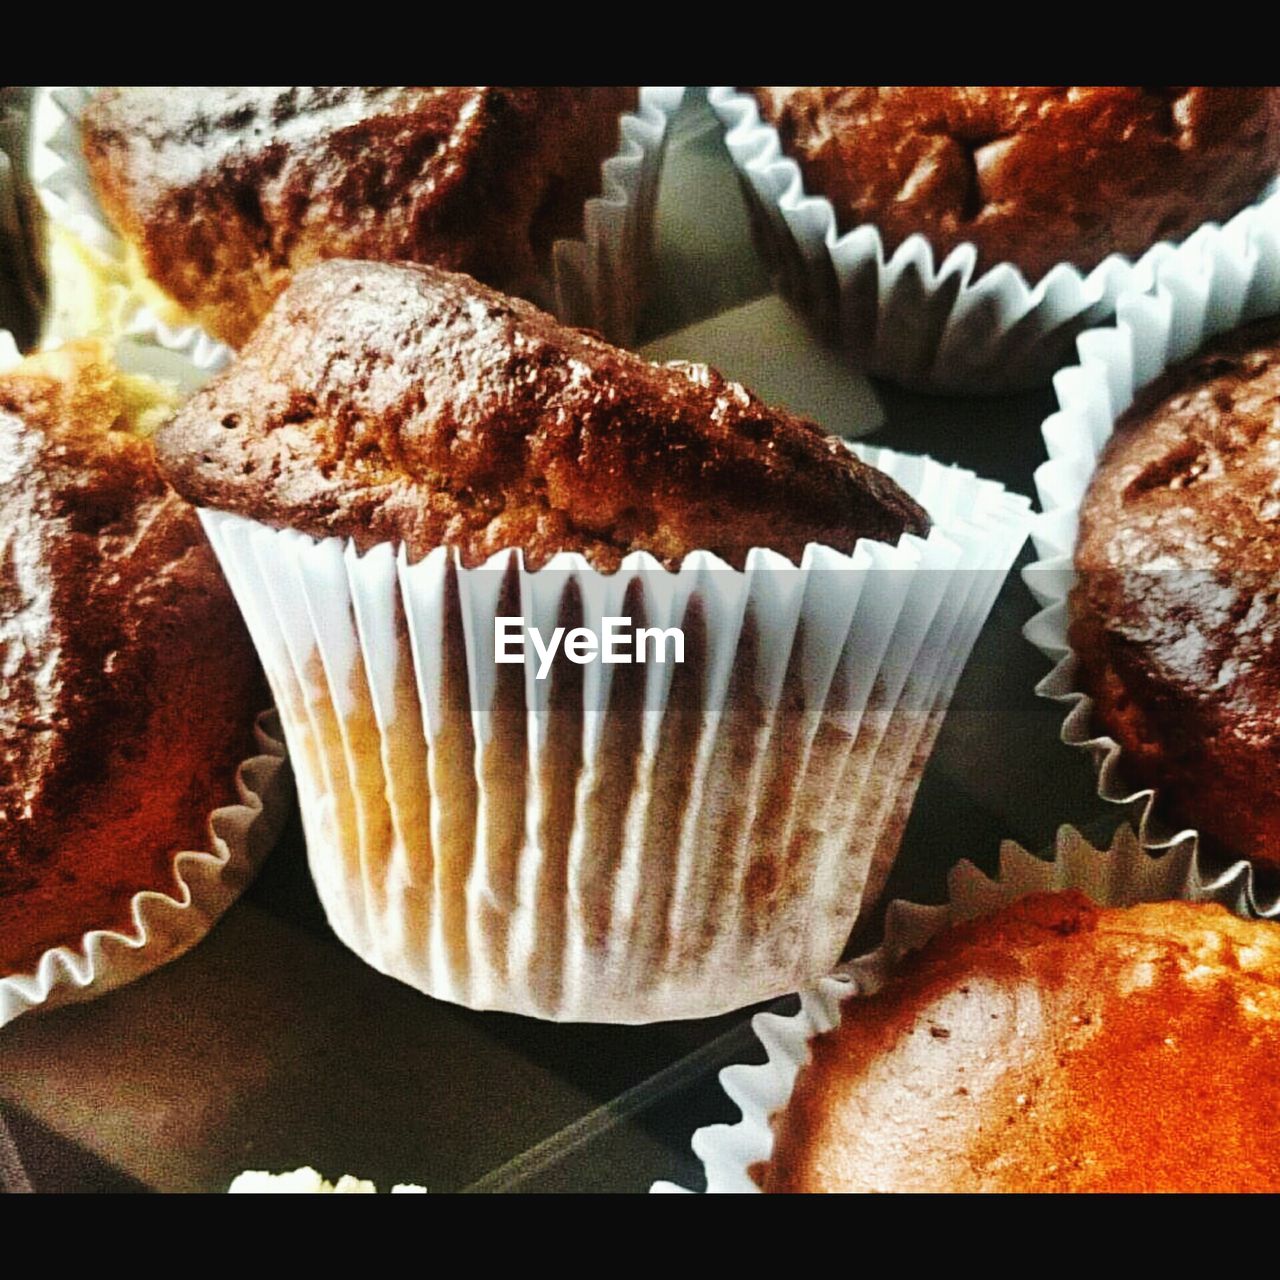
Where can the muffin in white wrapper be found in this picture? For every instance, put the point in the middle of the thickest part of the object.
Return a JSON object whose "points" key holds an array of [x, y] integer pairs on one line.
{"points": [[937, 327], [1205, 287], [241, 831], [1122, 875], [622, 843], [165, 925], [98, 286]]}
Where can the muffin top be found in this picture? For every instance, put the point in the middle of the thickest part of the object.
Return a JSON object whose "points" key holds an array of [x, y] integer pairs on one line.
{"points": [[1190, 478], [224, 191], [1031, 175], [1052, 1046], [1174, 614], [129, 684], [386, 402]]}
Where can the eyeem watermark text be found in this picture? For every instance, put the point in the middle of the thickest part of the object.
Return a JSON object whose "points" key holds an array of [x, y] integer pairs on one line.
{"points": [[618, 641]]}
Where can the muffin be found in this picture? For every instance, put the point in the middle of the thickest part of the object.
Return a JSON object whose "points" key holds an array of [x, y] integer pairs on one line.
{"points": [[1174, 614], [1030, 175], [382, 403], [1052, 1046], [948, 310], [401, 462], [222, 193], [129, 684]]}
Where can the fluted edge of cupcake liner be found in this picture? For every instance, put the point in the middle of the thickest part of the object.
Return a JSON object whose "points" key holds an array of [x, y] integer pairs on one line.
{"points": [[1203, 288], [938, 328], [595, 281], [166, 924], [1122, 875], [599, 280], [485, 845]]}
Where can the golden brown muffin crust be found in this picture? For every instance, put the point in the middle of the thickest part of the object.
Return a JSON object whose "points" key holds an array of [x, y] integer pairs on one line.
{"points": [[1031, 175], [128, 685], [1176, 612], [1052, 1046], [397, 403], [226, 191]]}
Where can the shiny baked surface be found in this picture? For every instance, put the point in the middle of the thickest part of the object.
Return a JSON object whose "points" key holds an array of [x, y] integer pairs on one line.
{"points": [[1053, 1046], [1176, 612], [1032, 175]]}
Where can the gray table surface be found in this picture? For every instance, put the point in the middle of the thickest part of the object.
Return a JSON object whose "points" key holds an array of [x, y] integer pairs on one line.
{"points": [[271, 1046]]}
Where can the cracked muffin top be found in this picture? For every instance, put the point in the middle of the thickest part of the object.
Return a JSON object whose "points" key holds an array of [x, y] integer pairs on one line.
{"points": [[402, 403], [128, 684], [1175, 614], [1054, 1046], [223, 192], [1030, 175]]}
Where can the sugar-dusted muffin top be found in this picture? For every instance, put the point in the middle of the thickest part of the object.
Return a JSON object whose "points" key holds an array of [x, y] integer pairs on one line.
{"points": [[1052, 1046], [129, 683], [1176, 611], [1031, 175], [402, 403], [225, 192]]}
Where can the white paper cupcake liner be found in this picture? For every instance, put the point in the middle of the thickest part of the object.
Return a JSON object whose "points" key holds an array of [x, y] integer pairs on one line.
{"points": [[936, 328], [596, 281], [669, 842], [600, 279], [1120, 876], [1206, 286], [164, 925]]}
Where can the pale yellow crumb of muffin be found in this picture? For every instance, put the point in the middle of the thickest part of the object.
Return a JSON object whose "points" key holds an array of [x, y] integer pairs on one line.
{"points": [[93, 294], [134, 402]]}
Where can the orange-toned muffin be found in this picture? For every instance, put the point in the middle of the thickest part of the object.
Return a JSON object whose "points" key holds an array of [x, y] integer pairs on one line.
{"points": [[1032, 175], [129, 683], [1053, 1046], [224, 192]]}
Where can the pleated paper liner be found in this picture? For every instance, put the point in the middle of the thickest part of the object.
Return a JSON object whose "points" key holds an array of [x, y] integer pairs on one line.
{"points": [[98, 287], [1122, 875], [241, 833], [165, 925], [600, 280], [1205, 287], [616, 843], [935, 327]]}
